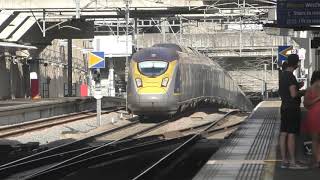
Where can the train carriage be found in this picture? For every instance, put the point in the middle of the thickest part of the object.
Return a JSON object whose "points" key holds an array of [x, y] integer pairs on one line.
{"points": [[168, 78]]}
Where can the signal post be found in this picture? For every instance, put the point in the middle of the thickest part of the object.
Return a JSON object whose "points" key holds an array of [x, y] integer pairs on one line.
{"points": [[95, 62]]}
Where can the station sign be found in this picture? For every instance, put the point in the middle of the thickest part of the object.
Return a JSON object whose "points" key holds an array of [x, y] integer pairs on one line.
{"points": [[113, 46], [283, 53], [96, 60], [97, 93], [298, 13]]}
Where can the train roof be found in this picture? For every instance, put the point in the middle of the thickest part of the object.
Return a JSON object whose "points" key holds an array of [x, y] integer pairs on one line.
{"points": [[170, 46], [165, 51], [156, 53], [179, 48]]}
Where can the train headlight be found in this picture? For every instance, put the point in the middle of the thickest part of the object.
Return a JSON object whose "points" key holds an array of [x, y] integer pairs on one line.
{"points": [[139, 82], [164, 82]]}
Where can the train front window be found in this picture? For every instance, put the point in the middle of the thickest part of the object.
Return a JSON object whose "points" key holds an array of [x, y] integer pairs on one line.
{"points": [[152, 68]]}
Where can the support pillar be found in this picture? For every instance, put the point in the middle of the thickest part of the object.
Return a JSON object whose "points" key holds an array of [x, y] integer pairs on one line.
{"points": [[163, 29], [135, 34], [180, 31], [265, 82], [69, 67], [12, 88]]}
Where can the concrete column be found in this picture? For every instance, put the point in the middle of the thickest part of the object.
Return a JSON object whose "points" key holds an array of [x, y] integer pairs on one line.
{"points": [[163, 29], [181, 31], [136, 33], [26, 80], [69, 67], [12, 88]]}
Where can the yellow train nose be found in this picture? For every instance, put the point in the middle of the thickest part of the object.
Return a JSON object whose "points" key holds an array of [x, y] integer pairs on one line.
{"points": [[151, 90]]}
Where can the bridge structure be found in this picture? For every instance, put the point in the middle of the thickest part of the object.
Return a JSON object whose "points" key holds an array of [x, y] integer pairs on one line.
{"points": [[29, 29], [222, 44], [34, 22]]}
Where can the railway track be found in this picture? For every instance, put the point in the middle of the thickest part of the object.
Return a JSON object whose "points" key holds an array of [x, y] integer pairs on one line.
{"points": [[83, 153], [123, 147], [190, 139], [48, 122], [75, 146], [76, 150]]}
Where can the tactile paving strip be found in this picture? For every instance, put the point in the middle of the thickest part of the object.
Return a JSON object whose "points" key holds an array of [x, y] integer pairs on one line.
{"points": [[242, 155]]}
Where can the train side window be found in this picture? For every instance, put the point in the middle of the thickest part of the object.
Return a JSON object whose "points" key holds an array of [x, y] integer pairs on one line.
{"points": [[177, 84], [193, 51], [196, 52], [190, 51]]}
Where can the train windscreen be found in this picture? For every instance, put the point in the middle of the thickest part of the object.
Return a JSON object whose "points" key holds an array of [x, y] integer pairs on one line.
{"points": [[152, 68]]}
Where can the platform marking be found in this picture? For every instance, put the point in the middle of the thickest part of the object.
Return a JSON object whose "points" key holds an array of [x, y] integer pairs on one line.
{"points": [[210, 162]]}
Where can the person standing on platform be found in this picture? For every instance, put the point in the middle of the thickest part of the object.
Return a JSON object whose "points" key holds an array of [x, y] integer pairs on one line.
{"points": [[311, 124], [284, 65], [290, 113]]}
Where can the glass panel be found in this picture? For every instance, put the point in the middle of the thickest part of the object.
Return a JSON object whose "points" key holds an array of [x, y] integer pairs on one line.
{"points": [[152, 68]]}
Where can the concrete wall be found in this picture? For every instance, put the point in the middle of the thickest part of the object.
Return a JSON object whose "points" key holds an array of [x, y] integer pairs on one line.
{"points": [[55, 73], [223, 40], [251, 80], [14, 75], [14, 78], [4, 78]]}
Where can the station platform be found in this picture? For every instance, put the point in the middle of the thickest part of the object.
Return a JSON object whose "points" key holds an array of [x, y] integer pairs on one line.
{"points": [[23, 110], [252, 152]]}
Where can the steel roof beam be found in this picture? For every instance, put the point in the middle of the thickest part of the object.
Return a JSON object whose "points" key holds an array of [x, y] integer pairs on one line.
{"points": [[10, 29], [254, 2], [14, 45], [4, 15], [22, 30]]}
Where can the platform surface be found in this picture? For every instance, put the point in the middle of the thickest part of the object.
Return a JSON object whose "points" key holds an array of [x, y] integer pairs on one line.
{"points": [[6, 105], [252, 152], [24, 110], [23, 103]]}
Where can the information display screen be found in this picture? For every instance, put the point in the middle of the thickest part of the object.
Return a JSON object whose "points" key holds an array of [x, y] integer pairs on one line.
{"points": [[298, 13]]}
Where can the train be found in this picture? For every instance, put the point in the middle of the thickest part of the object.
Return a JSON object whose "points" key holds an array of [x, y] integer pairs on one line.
{"points": [[168, 78]]}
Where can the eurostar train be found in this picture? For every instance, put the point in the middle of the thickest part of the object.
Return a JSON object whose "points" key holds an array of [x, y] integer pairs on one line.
{"points": [[168, 78]]}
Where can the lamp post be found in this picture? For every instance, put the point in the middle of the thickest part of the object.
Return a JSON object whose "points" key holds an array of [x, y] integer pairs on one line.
{"points": [[127, 16], [265, 82]]}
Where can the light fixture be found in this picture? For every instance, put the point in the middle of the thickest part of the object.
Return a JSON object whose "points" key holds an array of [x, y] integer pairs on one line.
{"points": [[139, 82], [71, 27], [164, 82], [159, 2]]}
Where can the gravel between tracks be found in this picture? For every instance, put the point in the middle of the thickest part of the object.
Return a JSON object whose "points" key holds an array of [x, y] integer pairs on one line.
{"points": [[64, 133], [69, 131], [233, 119], [202, 116]]}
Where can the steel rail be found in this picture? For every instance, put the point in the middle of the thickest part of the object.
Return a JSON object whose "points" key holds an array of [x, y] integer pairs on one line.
{"points": [[65, 169], [69, 154], [90, 154], [99, 149], [148, 173], [34, 163], [205, 124], [69, 146], [37, 159]]}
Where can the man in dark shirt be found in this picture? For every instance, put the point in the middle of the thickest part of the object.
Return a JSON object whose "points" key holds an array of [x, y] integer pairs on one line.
{"points": [[290, 113]]}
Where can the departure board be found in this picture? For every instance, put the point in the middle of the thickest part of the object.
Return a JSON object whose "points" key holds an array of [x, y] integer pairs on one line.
{"points": [[298, 13]]}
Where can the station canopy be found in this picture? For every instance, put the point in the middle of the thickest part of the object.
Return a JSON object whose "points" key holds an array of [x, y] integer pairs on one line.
{"points": [[47, 20]]}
